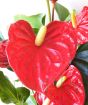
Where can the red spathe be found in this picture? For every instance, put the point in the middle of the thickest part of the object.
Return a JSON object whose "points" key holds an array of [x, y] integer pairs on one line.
{"points": [[38, 67], [81, 31], [3, 57], [70, 93]]}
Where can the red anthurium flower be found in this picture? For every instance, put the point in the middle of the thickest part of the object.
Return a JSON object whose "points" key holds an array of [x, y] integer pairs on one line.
{"points": [[37, 67], [70, 93], [82, 26], [3, 57]]}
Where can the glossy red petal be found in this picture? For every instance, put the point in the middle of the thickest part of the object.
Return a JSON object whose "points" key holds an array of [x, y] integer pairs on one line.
{"points": [[38, 67], [66, 36], [82, 26], [40, 98], [66, 39], [72, 90], [3, 57]]}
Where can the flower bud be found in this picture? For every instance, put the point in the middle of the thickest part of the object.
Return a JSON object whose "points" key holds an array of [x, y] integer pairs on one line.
{"points": [[3, 58], [53, 1]]}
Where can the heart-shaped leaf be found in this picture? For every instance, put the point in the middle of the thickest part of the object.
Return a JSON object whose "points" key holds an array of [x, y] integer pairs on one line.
{"points": [[81, 62], [36, 21], [62, 11], [81, 59], [72, 89], [37, 67], [82, 65]]}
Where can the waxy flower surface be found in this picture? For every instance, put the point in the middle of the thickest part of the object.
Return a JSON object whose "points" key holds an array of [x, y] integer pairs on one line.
{"points": [[70, 93], [38, 66], [3, 57], [81, 30]]}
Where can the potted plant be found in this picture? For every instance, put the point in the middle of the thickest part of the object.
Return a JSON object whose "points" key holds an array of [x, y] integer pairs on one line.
{"points": [[49, 58]]}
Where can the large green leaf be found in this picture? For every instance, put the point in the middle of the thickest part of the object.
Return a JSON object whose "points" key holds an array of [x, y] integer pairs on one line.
{"points": [[36, 21], [81, 58], [82, 65], [81, 62], [10, 94], [62, 11], [7, 90]]}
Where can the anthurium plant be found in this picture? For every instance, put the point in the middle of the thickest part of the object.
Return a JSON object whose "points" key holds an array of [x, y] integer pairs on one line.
{"points": [[49, 58]]}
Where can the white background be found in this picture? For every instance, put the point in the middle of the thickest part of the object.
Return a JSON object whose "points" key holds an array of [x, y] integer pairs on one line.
{"points": [[10, 8]]}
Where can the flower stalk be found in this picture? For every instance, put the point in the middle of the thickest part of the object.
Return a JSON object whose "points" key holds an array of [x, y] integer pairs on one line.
{"points": [[53, 7], [49, 13]]}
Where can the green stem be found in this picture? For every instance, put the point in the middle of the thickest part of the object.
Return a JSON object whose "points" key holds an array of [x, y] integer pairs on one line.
{"points": [[21, 103], [48, 7], [53, 7]]}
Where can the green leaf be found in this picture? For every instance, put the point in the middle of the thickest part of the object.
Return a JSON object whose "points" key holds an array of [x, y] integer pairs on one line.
{"points": [[44, 19], [22, 93], [82, 65], [10, 94], [83, 47], [1, 37], [21, 103], [86, 103], [7, 90], [36, 21], [62, 11], [36, 30], [10, 69], [83, 68], [17, 80], [81, 62], [81, 58], [4, 98], [68, 18]]}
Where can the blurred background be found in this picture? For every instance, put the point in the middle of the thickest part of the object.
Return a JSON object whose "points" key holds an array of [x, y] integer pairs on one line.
{"points": [[10, 8]]}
